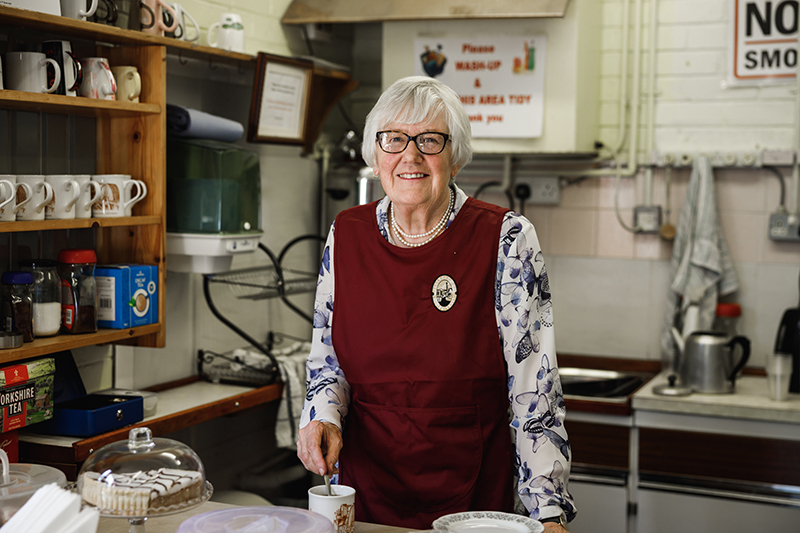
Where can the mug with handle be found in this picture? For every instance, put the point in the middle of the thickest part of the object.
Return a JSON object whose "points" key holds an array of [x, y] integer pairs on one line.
{"points": [[27, 71], [74, 9], [117, 195], [8, 190], [182, 31], [65, 194], [129, 83], [71, 69], [134, 198], [134, 15], [229, 34], [157, 6], [91, 194], [40, 195], [98, 81], [8, 211]]}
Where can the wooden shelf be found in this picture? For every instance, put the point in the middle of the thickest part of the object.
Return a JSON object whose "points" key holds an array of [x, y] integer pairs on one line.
{"points": [[103, 33], [48, 345], [180, 405], [73, 105], [79, 223]]}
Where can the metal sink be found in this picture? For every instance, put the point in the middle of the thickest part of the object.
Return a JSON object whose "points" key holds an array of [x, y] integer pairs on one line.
{"points": [[600, 384]]}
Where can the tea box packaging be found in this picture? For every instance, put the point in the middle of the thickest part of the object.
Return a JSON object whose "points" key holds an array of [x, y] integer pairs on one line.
{"points": [[26, 393], [127, 295]]}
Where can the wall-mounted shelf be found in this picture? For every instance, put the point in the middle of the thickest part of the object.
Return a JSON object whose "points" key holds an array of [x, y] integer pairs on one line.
{"points": [[68, 105], [79, 223], [48, 345]]}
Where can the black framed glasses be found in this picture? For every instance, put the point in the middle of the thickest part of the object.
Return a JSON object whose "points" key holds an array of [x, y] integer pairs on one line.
{"points": [[428, 142]]}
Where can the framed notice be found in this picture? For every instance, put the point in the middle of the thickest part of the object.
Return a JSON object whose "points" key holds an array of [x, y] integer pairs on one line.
{"points": [[279, 108]]}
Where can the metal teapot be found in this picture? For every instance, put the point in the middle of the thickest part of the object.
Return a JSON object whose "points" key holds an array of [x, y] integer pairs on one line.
{"points": [[706, 362]]}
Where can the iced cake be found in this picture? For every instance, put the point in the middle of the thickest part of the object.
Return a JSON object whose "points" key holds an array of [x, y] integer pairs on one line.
{"points": [[135, 493]]}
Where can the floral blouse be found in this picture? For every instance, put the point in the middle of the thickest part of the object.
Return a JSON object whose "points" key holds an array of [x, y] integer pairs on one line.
{"points": [[525, 326]]}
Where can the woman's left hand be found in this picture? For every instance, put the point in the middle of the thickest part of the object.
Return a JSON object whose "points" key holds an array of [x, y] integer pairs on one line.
{"points": [[553, 527]]}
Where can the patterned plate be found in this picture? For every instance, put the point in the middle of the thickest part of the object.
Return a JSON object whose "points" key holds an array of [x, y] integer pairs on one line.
{"points": [[488, 522]]}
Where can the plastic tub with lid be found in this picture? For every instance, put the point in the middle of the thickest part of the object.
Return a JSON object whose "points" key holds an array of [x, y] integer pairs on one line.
{"points": [[256, 519], [21, 481]]}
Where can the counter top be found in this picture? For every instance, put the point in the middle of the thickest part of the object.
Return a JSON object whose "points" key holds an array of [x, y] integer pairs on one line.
{"points": [[170, 523], [749, 402]]}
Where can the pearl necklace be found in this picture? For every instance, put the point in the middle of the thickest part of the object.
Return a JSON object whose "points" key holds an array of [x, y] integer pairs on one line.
{"points": [[433, 233]]}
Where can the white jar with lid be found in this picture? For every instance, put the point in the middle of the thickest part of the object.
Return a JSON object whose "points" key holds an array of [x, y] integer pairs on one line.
{"points": [[46, 296]]}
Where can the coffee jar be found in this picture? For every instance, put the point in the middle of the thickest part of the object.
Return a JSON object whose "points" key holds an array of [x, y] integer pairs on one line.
{"points": [[46, 296], [78, 290], [17, 303]]}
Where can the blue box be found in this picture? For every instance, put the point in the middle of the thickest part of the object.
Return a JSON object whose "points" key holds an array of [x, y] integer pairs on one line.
{"points": [[93, 414], [127, 295]]}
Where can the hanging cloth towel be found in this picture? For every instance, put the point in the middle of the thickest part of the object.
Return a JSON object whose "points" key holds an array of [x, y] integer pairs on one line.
{"points": [[292, 363], [701, 267]]}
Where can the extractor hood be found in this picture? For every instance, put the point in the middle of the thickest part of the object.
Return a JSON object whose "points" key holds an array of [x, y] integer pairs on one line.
{"points": [[340, 11]]}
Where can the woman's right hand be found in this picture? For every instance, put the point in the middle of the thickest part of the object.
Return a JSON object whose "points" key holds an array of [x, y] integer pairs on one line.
{"points": [[318, 447]]}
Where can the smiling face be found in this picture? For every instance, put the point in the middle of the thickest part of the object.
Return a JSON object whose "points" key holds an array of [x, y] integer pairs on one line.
{"points": [[413, 179]]}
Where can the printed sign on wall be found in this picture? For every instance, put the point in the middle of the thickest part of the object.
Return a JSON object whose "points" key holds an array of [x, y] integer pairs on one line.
{"points": [[500, 80], [764, 42]]}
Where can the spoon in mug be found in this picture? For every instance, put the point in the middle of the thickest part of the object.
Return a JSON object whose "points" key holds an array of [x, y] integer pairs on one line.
{"points": [[327, 479]]}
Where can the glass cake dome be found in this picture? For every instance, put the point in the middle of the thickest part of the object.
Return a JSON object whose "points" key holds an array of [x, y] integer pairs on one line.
{"points": [[143, 476]]}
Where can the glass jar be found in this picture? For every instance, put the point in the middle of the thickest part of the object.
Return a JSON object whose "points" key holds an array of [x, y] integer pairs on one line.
{"points": [[726, 318], [17, 303], [78, 291], [46, 296]]}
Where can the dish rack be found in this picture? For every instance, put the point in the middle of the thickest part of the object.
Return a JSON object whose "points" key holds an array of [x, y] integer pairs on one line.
{"points": [[259, 283]]}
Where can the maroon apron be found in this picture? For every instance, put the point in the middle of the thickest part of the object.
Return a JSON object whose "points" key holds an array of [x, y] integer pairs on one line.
{"points": [[427, 433]]}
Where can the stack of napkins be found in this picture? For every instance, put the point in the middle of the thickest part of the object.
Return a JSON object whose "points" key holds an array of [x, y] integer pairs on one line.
{"points": [[52, 509]]}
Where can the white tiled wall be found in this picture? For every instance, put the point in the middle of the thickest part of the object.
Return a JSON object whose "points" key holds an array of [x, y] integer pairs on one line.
{"points": [[610, 286]]}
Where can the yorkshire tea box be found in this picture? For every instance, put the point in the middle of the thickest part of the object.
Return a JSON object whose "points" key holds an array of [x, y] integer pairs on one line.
{"points": [[26, 393], [127, 295]]}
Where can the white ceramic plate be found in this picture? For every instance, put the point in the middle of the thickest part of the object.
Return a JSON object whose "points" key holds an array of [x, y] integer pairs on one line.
{"points": [[488, 522]]}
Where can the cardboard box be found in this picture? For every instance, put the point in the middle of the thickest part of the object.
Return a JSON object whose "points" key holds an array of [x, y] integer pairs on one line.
{"points": [[26, 393], [9, 442], [127, 295]]}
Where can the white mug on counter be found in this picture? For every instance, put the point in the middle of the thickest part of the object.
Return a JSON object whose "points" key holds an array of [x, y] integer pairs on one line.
{"points": [[339, 508], [91, 193], [65, 195], [228, 33], [129, 83], [27, 71], [38, 191], [98, 81], [117, 197]]}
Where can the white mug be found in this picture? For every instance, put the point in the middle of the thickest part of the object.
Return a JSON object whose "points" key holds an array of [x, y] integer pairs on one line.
{"points": [[8, 191], [91, 194], [117, 195], [74, 9], [27, 71], [229, 33], [66, 192], [159, 27], [40, 195], [98, 81], [8, 210], [71, 70], [339, 508], [182, 31], [129, 83]]}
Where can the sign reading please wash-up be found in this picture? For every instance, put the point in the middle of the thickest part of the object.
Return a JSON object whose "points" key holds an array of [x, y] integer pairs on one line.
{"points": [[500, 80]]}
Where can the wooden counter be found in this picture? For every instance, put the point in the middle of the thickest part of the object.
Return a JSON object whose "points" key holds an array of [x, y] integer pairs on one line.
{"points": [[180, 405]]}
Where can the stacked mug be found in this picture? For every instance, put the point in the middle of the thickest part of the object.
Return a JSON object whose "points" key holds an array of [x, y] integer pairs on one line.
{"points": [[68, 196]]}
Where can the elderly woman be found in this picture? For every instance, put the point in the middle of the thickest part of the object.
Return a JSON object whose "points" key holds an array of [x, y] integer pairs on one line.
{"points": [[432, 317]]}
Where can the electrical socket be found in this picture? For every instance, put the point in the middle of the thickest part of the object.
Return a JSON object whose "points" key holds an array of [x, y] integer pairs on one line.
{"points": [[647, 218], [543, 190], [784, 227]]}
